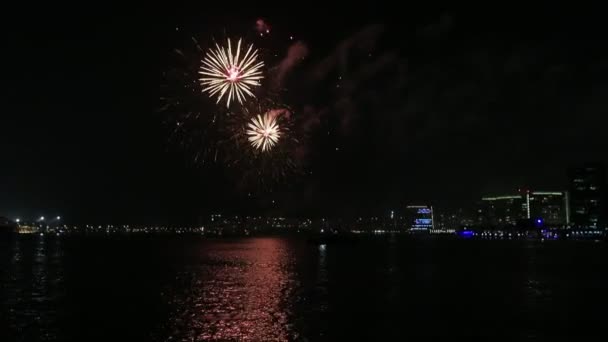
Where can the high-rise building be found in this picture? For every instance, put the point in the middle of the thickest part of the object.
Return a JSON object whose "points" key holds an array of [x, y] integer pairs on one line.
{"points": [[502, 210], [587, 196], [550, 206], [448, 219], [419, 218]]}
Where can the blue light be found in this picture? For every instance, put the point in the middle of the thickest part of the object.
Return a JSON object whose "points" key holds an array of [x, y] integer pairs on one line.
{"points": [[467, 233], [539, 221]]}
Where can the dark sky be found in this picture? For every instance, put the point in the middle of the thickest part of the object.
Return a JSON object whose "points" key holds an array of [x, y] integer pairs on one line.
{"points": [[434, 104]]}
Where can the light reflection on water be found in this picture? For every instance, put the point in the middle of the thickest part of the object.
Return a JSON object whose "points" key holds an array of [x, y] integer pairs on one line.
{"points": [[281, 289], [238, 291], [32, 287]]}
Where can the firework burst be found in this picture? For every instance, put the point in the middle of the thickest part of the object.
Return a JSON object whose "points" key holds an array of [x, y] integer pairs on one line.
{"points": [[263, 132], [229, 73], [259, 142]]}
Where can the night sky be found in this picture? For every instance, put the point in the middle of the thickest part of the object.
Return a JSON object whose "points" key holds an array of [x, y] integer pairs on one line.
{"points": [[433, 104]]}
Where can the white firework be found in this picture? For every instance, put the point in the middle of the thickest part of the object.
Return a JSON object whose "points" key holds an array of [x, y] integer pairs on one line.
{"points": [[263, 132], [228, 72]]}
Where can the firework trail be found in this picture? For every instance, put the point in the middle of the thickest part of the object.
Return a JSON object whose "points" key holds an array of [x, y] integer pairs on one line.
{"points": [[228, 73]]}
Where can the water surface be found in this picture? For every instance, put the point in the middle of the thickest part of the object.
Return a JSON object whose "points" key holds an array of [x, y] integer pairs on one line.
{"points": [[285, 289]]}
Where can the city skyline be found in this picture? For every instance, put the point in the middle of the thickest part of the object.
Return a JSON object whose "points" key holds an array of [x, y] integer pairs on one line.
{"points": [[554, 206]]}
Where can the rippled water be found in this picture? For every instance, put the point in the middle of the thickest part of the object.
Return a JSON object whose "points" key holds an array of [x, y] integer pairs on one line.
{"points": [[280, 289]]}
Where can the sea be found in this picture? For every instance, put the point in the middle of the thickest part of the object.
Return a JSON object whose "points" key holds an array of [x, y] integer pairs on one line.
{"points": [[375, 288]]}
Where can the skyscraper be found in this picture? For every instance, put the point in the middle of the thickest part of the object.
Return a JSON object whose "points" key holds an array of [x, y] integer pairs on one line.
{"points": [[587, 196], [507, 210], [502, 210], [419, 218], [550, 206]]}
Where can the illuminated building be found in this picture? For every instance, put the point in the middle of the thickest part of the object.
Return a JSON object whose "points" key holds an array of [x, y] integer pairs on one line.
{"points": [[503, 210], [452, 219], [550, 206], [587, 196], [446, 222], [419, 218]]}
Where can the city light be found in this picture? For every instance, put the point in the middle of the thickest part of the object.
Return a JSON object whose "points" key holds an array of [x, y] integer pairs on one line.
{"points": [[467, 233], [41, 218], [58, 218], [18, 220]]}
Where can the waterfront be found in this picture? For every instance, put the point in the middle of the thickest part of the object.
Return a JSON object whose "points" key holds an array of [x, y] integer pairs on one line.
{"points": [[190, 288]]}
